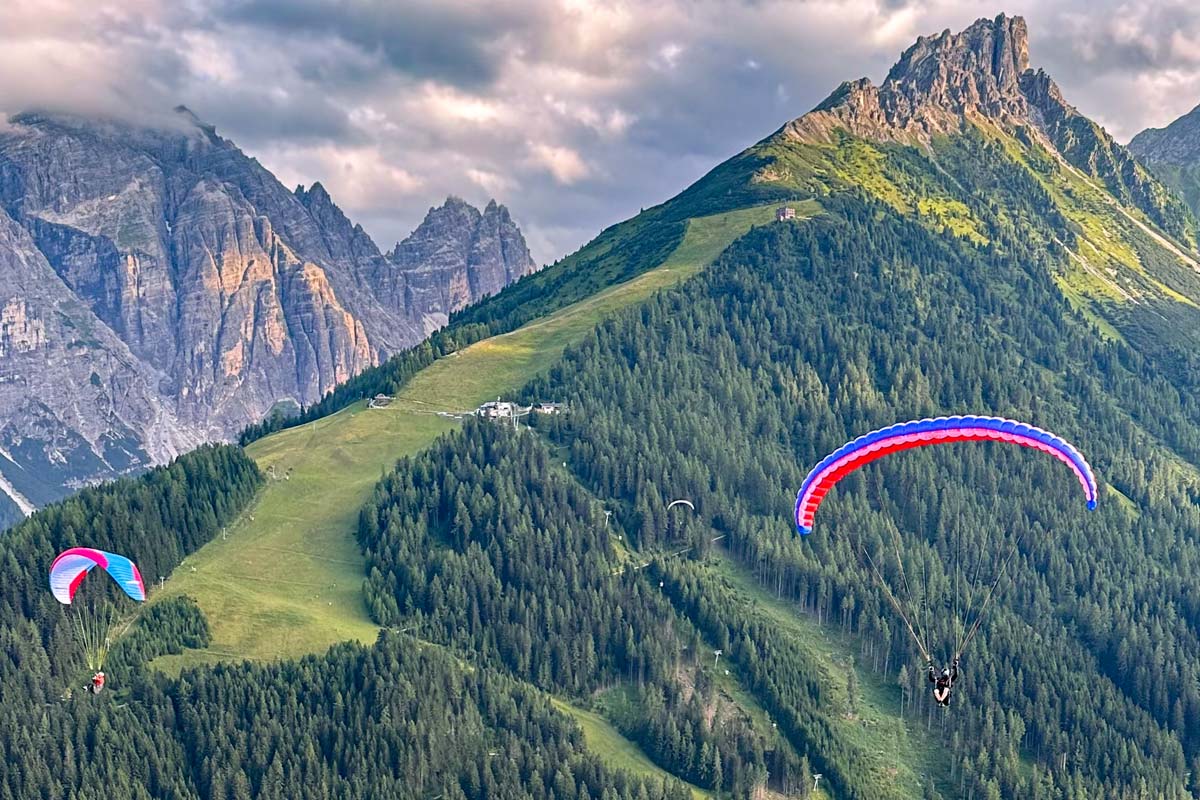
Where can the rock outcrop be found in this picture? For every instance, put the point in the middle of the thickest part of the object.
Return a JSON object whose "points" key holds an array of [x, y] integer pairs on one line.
{"points": [[76, 400], [1178, 143], [172, 290], [937, 82]]}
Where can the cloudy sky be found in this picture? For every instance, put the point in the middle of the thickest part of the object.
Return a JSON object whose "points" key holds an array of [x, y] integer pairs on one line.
{"points": [[573, 113]]}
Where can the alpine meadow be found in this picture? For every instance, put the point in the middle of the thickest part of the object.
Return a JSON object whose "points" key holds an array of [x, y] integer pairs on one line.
{"points": [[610, 532]]}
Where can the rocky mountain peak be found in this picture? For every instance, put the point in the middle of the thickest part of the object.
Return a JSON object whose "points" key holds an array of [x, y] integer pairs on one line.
{"points": [[944, 83], [494, 210], [1173, 154], [456, 246], [990, 55], [208, 292], [343, 240], [454, 201], [191, 118], [455, 208], [318, 201], [181, 121], [936, 84], [317, 192], [453, 215]]}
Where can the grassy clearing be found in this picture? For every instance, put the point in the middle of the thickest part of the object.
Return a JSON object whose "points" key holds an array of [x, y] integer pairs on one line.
{"points": [[286, 579], [614, 749], [706, 237], [865, 165], [952, 215], [900, 750], [506, 362]]}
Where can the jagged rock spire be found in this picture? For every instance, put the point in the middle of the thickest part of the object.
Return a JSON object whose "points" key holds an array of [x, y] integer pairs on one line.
{"points": [[476, 253], [936, 83]]}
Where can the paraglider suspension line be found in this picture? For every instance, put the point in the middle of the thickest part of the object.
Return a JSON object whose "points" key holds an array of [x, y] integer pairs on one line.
{"points": [[900, 565], [924, 588], [895, 604], [983, 609], [916, 624], [958, 624], [974, 584], [93, 624]]}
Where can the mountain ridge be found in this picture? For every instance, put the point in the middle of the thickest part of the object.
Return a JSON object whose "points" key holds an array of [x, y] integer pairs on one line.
{"points": [[1177, 143], [1173, 154], [944, 82], [1105, 211]]}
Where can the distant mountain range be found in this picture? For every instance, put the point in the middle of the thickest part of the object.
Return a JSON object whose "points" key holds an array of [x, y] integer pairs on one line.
{"points": [[1173, 154], [159, 288]]}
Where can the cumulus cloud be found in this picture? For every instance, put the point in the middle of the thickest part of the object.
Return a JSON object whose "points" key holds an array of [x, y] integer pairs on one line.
{"points": [[453, 41], [574, 113], [356, 177], [563, 163], [491, 182], [1131, 65]]}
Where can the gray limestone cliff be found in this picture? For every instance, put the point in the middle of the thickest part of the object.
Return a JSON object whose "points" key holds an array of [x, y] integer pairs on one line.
{"points": [[459, 255], [159, 288]]}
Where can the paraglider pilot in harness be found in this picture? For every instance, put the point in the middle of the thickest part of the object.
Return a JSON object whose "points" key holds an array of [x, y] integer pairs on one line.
{"points": [[93, 623], [943, 682], [918, 433]]}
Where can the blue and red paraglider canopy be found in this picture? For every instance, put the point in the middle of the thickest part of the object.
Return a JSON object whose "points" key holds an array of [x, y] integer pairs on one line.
{"points": [[923, 432]]}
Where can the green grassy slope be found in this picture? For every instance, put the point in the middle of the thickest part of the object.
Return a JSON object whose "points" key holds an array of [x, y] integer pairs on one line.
{"points": [[900, 750], [286, 578], [605, 741], [1129, 277]]}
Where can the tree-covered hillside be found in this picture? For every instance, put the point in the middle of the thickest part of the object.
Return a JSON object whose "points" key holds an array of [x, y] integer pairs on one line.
{"points": [[485, 546], [724, 391], [396, 720], [802, 336], [56, 743]]}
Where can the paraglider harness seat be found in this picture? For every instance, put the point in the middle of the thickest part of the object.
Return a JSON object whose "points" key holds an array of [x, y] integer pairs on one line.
{"points": [[943, 682], [96, 685]]}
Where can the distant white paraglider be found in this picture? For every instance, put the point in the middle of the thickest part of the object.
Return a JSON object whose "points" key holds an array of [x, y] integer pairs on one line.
{"points": [[674, 503]]}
